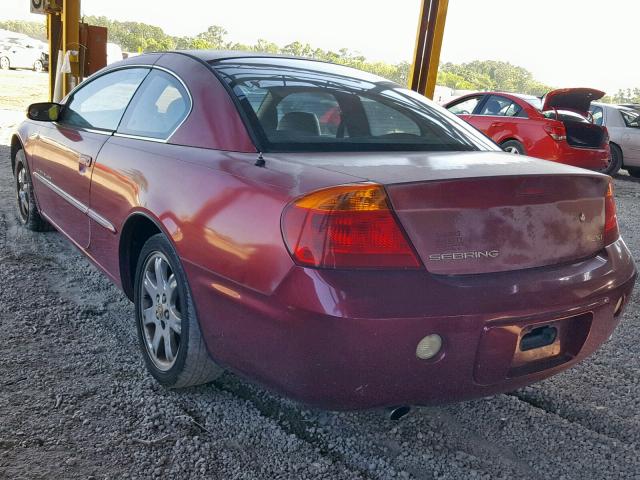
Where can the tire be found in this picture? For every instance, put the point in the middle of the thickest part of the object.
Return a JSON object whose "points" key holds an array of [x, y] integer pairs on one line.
{"points": [[38, 66], [166, 317], [26, 206], [5, 63], [513, 146], [634, 172], [615, 161]]}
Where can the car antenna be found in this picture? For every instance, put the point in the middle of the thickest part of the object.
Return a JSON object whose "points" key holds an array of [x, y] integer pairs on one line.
{"points": [[260, 161]]}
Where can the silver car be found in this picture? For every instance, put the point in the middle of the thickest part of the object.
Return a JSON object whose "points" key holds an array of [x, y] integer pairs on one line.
{"points": [[623, 124], [20, 53]]}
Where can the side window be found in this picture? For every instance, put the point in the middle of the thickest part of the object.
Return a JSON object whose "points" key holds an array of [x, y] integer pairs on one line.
{"points": [[500, 106], [101, 103], [158, 108], [598, 115], [309, 114], [466, 107], [631, 119], [384, 120]]}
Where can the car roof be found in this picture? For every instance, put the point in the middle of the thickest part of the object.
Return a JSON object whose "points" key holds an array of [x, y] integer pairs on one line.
{"points": [[215, 55]]}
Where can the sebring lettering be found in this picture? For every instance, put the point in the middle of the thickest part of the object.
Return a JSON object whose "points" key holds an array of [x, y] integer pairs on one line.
{"points": [[440, 257]]}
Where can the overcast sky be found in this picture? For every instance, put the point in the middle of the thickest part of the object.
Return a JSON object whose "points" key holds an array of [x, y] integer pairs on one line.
{"points": [[563, 42]]}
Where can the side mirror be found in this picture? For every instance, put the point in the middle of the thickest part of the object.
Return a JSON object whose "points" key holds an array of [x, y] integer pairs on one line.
{"points": [[44, 112]]}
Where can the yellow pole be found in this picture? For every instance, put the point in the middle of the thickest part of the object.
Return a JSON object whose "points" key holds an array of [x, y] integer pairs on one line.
{"points": [[70, 40], [426, 59], [436, 48]]}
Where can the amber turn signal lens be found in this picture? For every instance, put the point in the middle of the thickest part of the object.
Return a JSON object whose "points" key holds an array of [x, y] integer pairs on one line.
{"points": [[349, 226]]}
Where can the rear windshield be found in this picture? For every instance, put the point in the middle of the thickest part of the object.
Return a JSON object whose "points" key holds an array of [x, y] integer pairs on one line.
{"points": [[565, 116], [298, 105]]}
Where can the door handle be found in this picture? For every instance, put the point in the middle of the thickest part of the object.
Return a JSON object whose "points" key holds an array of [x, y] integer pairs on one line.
{"points": [[497, 124], [85, 160]]}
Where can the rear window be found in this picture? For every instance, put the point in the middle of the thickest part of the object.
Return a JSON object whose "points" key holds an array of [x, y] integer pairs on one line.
{"points": [[565, 116], [298, 105]]}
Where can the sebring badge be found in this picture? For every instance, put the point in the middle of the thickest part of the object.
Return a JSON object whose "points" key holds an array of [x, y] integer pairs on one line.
{"points": [[439, 257]]}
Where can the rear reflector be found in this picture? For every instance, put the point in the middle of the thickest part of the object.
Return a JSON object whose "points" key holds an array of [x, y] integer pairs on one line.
{"points": [[611, 232], [349, 226]]}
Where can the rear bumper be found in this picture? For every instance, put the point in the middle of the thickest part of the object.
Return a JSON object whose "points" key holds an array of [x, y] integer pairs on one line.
{"points": [[589, 158], [347, 340]]}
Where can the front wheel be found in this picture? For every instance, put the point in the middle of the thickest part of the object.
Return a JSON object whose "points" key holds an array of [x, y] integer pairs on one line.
{"points": [[5, 64], [168, 329], [25, 201], [513, 146], [38, 66]]}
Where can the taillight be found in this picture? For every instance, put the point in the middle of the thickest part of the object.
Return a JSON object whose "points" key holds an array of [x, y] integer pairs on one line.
{"points": [[557, 132], [605, 137], [611, 232], [349, 226]]}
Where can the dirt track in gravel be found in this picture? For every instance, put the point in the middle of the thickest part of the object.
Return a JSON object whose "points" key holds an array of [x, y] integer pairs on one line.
{"points": [[76, 402]]}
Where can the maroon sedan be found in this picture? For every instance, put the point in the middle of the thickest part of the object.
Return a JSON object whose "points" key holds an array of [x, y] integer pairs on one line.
{"points": [[556, 127], [395, 256]]}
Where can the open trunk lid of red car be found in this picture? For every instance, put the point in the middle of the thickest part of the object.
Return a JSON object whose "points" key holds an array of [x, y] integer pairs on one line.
{"points": [[575, 99], [480, 212]]}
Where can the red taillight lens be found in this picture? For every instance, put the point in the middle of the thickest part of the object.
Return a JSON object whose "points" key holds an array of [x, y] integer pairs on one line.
{"points": [[349, 226], [611, 232], [557, 132]]}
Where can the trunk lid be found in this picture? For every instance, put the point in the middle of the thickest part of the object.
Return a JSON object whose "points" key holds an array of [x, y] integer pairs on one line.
{"points": [[575, 99], [472, 226]]}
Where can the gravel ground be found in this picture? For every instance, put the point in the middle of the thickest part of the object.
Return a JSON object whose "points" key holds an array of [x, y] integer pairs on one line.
{"points": [[76, 402]]}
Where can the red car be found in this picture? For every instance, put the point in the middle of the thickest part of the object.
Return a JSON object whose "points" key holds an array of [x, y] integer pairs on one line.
{"points": [[556, 127], [399, 258]]}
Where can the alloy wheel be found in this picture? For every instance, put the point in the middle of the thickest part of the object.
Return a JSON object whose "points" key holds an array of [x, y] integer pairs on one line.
{"points": [[161, 311], [22, 190], [513, 150], [4, 63]]}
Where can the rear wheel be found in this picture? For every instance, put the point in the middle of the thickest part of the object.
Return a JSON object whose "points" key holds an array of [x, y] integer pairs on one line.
{"points": [[615, 161], [37, 66], [168, 329], [5, 64], [513, 146], [25, 201]]}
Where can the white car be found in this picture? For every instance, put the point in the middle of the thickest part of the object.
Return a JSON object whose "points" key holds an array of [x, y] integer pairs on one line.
{"points": [[623, 124], [20, 53]]}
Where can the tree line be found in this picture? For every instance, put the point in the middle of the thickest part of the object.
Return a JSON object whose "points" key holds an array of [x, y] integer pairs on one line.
{"points": [[476, 75]]}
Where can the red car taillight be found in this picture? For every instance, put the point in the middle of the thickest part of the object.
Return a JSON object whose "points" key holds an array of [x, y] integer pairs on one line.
{"points": [[611, 232], [349, 226], [557, 132]]}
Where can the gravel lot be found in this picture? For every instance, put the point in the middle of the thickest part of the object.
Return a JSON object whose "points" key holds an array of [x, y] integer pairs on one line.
{"points": [[76, 402]]}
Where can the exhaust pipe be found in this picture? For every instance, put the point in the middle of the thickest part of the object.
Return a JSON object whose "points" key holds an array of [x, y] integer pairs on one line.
{"points": [[396, 413]]}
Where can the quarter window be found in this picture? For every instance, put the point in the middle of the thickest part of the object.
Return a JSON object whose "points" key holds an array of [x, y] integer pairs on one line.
{"points": [[158, 108], [101, 103]]}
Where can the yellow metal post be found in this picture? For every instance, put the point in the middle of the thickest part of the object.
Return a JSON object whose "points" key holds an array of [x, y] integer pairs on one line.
{"points": [[54, 34], [426, 59], [71, 40]]}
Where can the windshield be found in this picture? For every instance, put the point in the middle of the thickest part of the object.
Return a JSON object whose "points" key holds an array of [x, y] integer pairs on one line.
{"points": [[300, 105]]}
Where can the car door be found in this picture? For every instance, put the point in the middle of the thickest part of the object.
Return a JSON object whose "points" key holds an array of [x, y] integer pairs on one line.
{"points": [[67, 149], [500, 118], [631, 136]]}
